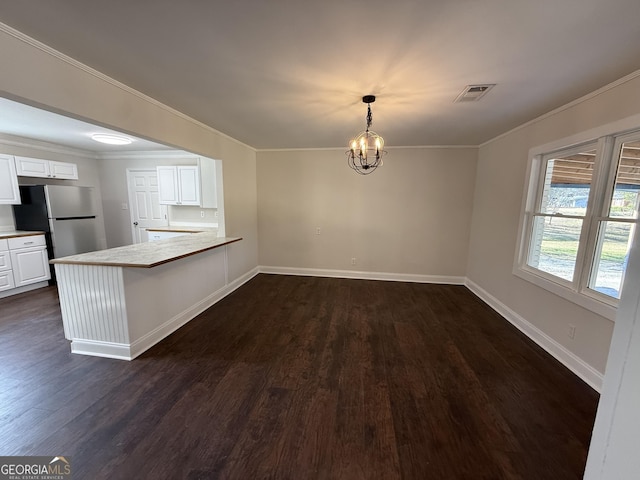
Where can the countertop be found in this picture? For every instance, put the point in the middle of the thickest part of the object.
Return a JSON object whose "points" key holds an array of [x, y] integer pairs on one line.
{"points": [[18, 233], [151, 254]]}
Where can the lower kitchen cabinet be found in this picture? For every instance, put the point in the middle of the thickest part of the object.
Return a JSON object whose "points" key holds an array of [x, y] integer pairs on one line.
{"points": [[30, 265], [23, 262]]}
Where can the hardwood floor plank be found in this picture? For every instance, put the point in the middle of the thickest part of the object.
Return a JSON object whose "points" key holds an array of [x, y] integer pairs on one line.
{"points": [[300, 378]]}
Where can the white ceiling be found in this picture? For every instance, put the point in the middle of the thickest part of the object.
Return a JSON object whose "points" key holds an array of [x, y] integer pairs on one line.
{"points": [[291, 73], [24, 121]]}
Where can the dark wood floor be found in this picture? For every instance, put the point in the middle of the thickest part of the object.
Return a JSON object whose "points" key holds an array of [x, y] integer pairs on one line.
{"points": [[299, 378]]}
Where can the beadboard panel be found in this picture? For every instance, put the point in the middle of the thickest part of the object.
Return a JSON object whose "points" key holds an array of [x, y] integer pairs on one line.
{"points": [[120, 312], [93, 304]]}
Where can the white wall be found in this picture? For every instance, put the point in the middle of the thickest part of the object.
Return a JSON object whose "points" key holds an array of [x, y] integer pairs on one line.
{"points": [[498, 198], [6, 218], [87, 173], [35, 74], [113, 176], [411, 216]]}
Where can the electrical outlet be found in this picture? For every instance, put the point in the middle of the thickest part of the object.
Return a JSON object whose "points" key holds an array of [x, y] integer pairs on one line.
{"points": [[353, 261], [571, 331], [201, 213], [317, 230], [125, 206]]}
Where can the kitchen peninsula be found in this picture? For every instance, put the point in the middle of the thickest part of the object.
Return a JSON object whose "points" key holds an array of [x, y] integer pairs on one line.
{"points": [[119, 302]]}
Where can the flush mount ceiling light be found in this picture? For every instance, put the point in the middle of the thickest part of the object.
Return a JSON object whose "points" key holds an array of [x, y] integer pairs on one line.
{"points": [[111, 139], [366, 150]]}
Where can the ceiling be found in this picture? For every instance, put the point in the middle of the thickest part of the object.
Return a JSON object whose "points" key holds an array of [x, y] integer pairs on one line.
{"points": [[291, 73], [24, 121]]}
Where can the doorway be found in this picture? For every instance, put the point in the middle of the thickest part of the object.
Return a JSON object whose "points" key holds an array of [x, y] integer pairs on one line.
{"points": [[144, 201]]}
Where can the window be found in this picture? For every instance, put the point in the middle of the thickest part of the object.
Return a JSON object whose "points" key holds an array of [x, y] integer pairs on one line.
{"points": [[580, 217]]}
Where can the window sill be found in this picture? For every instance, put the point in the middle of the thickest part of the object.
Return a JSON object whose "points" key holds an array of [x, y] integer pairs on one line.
{"points": [[592, 304]]}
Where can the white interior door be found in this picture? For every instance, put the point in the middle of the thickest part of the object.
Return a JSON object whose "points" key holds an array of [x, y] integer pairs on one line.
{"points": [[144, 201]]}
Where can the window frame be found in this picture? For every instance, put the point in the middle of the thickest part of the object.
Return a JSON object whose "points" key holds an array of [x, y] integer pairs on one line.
{"points": [[608, 143]]}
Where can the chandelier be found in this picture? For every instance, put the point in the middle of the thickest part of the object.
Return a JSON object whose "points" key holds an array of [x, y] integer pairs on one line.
{"points": [[366, 150]]}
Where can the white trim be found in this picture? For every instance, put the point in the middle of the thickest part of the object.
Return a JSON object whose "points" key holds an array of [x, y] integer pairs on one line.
{"points": [[15, 141], [147, 154], [101, 76], [586, 372], [589, 96], [123, 351], [119, 351], [617, 128], [579, 367], [392, 277], [149, 340], [345, 148], [574, 296], [59, 55], [22, 289]]}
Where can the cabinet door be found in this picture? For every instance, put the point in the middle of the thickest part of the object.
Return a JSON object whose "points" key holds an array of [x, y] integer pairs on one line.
{"points": [[9, 192], [168, 185], [6, 281], [5, 261], [32, 167], [63, 170], [189, 185], [30, 265]]}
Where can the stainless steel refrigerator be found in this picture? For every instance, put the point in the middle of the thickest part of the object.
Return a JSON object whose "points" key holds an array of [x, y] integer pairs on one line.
{"points": [[65, 213]]}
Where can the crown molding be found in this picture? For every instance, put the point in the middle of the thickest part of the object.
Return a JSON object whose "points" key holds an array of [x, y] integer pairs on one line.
{"points": [[14, 141], [101, 76], [588, 96], [344, 149], [145, 154]]}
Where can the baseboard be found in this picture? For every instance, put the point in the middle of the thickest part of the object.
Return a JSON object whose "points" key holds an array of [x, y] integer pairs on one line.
{"points": [[586, 372], [130, 351], [149, 340], [119, 351], [24, 288], [392, 277]]}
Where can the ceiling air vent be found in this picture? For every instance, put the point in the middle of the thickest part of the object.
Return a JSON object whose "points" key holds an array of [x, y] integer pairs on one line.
{"points": [[473, 93]]}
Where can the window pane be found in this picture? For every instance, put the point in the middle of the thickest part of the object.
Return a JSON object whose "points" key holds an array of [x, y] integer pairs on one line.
{"points": [[611, 259], [554, 245], [624, 202], [567, 183]]}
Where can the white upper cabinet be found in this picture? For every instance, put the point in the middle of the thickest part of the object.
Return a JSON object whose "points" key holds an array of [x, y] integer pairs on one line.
{"points": [[168, 186], [37, 167], [63, 170], [188, 184], [9, 192]]}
